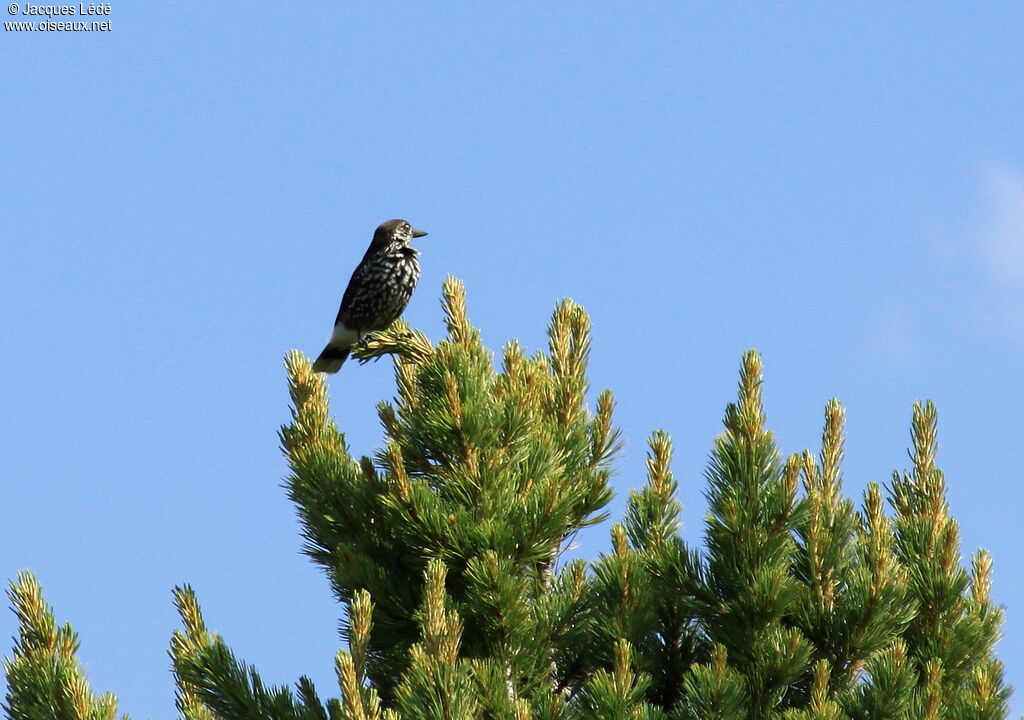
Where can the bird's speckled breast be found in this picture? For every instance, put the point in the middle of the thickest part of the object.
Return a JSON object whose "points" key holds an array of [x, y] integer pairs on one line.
{"points": [[385, 284]]}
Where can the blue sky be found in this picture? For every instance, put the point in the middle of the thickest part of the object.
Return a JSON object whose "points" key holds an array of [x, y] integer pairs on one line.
{"points": [[184, 197]]}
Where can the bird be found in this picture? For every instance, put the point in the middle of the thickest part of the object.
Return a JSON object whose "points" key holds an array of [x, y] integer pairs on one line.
{"points": [[377, 293]]}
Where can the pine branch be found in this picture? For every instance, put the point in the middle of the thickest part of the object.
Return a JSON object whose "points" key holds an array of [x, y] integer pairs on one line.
{"points": [[213, 683], [44, 678]]}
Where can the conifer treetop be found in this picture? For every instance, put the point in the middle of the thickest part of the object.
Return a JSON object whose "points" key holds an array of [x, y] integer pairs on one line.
{"points": [[445, 548]]}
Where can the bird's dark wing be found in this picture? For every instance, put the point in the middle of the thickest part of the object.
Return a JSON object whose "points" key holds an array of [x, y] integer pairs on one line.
{"points": [[355, 284]]}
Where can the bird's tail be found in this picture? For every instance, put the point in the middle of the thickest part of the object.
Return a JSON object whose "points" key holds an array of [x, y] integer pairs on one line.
{"points": [[331, 359]]}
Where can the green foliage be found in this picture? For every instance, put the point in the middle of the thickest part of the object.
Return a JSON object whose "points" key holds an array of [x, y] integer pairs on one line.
{"points": [[713, 690], [213, 683], [445, 549], [44, 678], [616, 694], [489, 471]]}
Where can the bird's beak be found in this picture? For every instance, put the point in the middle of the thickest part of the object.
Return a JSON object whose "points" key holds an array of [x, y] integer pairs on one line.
{"points": [[418, 233]]}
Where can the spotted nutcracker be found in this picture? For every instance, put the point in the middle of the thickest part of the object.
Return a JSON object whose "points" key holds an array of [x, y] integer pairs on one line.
{"points": [[377, 293]]}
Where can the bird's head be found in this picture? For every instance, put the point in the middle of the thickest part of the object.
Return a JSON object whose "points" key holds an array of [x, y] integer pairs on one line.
{"points": [[399, 231]]}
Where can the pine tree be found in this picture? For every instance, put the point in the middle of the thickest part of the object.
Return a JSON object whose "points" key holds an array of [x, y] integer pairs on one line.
{"points": [[445, 549]]}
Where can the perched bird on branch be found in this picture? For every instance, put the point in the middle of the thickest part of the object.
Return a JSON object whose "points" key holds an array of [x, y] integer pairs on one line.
{"points": [[377, 293]]}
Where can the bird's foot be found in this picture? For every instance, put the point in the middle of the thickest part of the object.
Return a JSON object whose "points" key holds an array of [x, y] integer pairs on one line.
{"points": [[363, 344]]}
